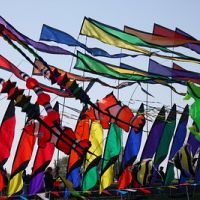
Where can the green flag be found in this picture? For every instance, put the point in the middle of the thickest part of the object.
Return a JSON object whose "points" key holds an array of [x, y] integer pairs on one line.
{"points": [[89, 64], [111, 152], [165, 140], [90, 176], [121, 39], [163, 147]]}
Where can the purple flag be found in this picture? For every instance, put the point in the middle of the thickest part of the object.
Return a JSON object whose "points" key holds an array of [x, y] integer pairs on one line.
{"points": [[37, 45], [193, 47], [154, 136], [37, 183], [158, 69]]}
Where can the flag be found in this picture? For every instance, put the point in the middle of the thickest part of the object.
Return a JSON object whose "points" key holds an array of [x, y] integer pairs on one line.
{"points": [[159, 39], [192, 44], [42, 160], [14, 34], [124, 72], [178, 141], [130, 154], [75, 161], [165, 140], [143, 171], [15, 184], [7, 131], [162, 70], [52, 34], [89, 64], [178, 67], [111, 152], [22, 157], [90, 176], [116, 37], [154, 136]]}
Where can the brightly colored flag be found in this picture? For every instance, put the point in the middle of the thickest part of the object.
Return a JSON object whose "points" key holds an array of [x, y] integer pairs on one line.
{"points": [[7, 130], [165, 140], [154, 136], [181, 69], [42, 160], [22, 157], [89, 64], [162, 70], [158, 39], [116, 37], [178, 141], [131, 150], [178, 34], [90, 176], [14, 34], [111, 152], [75, 161], [51, 34]]}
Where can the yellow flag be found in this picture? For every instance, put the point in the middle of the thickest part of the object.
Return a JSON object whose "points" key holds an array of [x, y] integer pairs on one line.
{"points": [[16, 184], [123, 40], [90, 177], [89, 29], [107, 178]]}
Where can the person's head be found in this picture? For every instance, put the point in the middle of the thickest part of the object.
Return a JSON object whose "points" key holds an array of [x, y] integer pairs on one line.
{"points": [[161, 168], [49, 169]]}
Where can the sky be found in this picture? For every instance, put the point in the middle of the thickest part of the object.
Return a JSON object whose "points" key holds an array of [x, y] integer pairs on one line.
{"points": [[67, 15]]}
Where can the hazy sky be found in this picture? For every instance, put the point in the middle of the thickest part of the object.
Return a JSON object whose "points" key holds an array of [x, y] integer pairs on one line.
{"points": [[29, 16]]}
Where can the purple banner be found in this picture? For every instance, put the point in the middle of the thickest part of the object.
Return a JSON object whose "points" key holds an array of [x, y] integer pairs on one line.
{"points": [[37, 45], [158, 69], [37, 183], [154, 136]]}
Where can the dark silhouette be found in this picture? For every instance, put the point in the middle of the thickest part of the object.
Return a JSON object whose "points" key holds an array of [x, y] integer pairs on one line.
{"points": [[26, 177], [48, 179], [26, 180], [49, 182], [162, 174], [5, 177]]}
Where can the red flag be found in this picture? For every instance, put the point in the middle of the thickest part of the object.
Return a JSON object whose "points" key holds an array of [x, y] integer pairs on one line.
{"points": [[7, 130], [165, 32], [42, 160], [75, 160], [23, 153], [194, 80], [6, 138]]}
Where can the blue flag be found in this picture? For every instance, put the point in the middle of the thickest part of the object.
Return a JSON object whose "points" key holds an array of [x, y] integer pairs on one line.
{"points": [[51, 34]]}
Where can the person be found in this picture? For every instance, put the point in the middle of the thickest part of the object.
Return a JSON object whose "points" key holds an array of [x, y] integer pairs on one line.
{"points": [[48, 180], [26, 179], [162, 174]]}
